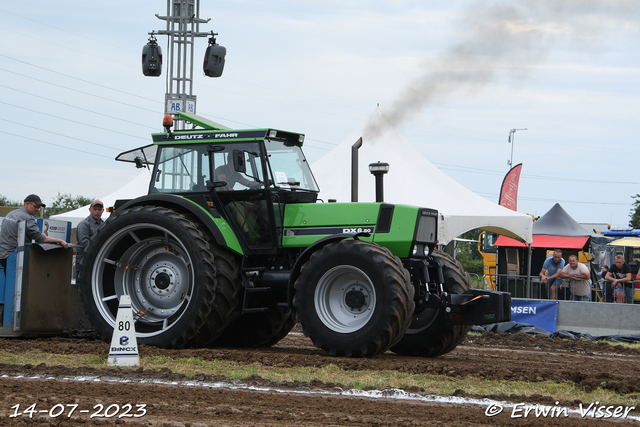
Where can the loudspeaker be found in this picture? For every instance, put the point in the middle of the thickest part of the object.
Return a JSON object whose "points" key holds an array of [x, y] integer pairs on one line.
{"points": [[214, 60], [151, 60]]}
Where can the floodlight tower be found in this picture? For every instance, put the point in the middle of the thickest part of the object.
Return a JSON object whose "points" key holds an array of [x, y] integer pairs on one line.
{"points": [[512, 140], [183, 26]]}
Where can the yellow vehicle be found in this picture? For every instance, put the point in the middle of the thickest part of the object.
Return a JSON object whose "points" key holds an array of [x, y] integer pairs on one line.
{"points": [[489, 254]]}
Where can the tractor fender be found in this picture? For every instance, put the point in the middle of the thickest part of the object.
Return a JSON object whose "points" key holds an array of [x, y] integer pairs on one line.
{"points": [[210, 218], [306, 254]]}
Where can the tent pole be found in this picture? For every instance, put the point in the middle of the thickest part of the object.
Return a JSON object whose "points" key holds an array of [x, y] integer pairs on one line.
{"points": [[529, 272]]}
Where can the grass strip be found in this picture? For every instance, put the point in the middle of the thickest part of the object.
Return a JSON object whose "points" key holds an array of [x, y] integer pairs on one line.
{"points": [[436, 384]]}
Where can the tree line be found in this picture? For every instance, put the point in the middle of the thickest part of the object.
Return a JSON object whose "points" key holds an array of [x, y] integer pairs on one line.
{"points": [[61, 203]]}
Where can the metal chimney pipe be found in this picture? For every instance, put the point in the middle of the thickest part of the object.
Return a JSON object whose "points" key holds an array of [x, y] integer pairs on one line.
{"points": [[378, 170], [354, 169]]}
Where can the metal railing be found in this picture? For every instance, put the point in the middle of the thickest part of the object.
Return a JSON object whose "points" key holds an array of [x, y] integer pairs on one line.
{"points": [[520, 287]]}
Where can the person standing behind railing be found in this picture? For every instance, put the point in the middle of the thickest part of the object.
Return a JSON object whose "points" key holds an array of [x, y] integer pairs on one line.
{"points": [[620, 277], [579, 279], [607, 292], [551, 271]]}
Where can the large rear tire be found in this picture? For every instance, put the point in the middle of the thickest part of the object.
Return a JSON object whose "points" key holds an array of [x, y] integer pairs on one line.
{"points": [[431, 332], [164, 263], [228, 296], [353, 298]]}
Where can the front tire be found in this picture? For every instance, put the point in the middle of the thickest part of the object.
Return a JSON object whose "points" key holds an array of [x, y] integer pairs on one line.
{"points": [[163, 262], [353, 298], [432, 333]]}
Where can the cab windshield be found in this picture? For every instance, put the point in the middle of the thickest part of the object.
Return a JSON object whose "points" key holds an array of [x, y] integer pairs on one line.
{"points": [[288, 166]]}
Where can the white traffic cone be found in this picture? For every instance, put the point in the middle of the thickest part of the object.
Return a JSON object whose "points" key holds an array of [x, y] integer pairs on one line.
{"points": [[124, 346]]}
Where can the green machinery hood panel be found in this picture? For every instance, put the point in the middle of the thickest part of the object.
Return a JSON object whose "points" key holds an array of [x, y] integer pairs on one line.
{"points": [[306, 223]]}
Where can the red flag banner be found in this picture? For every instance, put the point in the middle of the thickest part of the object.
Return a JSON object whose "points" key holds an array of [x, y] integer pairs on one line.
{"points": [[509, 190]]}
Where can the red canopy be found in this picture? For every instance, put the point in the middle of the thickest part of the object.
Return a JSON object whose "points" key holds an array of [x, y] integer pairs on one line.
{"points": [[544, 241]]}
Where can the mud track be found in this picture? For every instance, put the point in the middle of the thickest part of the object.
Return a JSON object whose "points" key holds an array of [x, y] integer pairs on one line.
{"points": [[174, 400]]}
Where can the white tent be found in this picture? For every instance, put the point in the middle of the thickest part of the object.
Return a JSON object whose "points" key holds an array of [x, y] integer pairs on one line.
{"points": [[412, 180], [138, 186]]}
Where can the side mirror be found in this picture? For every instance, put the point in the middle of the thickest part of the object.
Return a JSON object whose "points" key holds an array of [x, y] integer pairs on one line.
{"points": [[239, 164]]}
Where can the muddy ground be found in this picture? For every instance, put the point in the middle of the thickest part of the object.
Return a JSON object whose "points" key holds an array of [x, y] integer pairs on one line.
{"points": [[173, 401]]}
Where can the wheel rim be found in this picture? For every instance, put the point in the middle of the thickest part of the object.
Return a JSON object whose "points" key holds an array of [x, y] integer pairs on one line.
{"points": [[151, 265], [345, 299]]}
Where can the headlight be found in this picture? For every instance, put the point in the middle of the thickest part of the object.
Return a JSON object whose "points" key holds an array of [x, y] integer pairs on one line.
{"points": [[414, 252], [427, 250], [427, 229]]}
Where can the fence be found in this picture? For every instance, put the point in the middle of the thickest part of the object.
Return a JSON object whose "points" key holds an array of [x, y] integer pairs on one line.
{"points": [[530, 287]]}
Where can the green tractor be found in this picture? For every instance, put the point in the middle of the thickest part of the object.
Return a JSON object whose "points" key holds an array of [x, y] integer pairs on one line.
{"points": [[231, 247]]}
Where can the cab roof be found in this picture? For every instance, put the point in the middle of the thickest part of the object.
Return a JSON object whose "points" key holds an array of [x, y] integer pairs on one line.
{"points": [[210, 131]]}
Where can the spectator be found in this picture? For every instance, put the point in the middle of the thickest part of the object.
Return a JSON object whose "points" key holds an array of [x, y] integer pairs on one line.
{"points": [[551, 271], [87, 229], [620, 277], [579, 279], [9, 230]]}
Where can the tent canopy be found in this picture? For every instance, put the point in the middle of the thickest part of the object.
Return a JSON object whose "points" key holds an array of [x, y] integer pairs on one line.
{"points": [[544, 241], [557, 222], [412, 180], [555, 229], [629, 241]]}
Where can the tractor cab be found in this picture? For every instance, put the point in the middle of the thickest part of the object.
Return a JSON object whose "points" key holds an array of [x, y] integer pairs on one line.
{"points": [[248, 175]]}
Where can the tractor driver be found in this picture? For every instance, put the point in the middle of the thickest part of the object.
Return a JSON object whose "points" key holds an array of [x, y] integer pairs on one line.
{"points": [[228, 174], [551, 271]]}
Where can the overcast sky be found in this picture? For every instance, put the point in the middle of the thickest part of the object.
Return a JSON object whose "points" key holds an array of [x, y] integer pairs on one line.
{"points": [[455, 76]]}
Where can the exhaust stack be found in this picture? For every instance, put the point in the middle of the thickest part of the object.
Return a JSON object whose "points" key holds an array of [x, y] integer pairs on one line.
{"points": [[354, 169]]}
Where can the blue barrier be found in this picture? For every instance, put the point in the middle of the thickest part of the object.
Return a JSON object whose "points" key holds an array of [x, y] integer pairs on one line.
{"points": [[541, 313]]}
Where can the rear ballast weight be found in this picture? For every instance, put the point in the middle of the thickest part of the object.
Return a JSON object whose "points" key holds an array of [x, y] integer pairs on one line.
{"points": [[231, 246]]}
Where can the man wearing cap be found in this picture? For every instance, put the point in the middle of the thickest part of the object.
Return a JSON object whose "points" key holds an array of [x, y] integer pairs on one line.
{"points": [[87, 229], [9, 228]]}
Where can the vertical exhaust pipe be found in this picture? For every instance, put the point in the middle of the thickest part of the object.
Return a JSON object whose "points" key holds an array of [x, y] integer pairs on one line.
{"points": [[354, 169]]}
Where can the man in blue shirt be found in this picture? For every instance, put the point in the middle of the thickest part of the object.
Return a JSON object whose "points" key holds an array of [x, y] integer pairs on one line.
{"points": [[551, 271]]}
